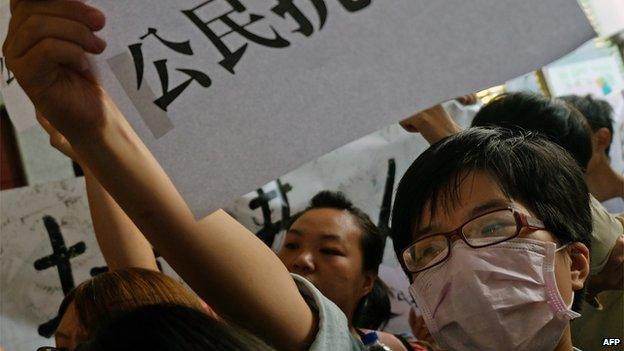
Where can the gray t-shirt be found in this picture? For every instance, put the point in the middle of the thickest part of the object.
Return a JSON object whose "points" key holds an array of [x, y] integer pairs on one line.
{"points": [[333, 329]]}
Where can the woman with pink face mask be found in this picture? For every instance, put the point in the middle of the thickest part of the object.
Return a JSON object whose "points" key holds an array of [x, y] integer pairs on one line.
{"points": [[493, 230]]}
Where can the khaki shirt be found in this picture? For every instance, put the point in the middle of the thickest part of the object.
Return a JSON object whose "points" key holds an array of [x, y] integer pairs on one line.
{"points": [[606, 229]]}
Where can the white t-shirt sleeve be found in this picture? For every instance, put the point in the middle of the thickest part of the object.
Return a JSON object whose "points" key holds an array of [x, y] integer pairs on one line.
{"points": [[606, 230], [333, 329]]}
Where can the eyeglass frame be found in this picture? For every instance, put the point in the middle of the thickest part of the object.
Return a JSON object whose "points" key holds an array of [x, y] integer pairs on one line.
{"points": [[522, 221]]}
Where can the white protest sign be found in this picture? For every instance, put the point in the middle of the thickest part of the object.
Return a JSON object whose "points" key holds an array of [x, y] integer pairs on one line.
{"points": [[599, 77], [47, 247], [229, 94], [35, 272]]}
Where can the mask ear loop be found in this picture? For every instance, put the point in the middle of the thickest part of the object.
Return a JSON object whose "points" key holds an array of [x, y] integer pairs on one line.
{"points": [[563, 246], [567, 313]]}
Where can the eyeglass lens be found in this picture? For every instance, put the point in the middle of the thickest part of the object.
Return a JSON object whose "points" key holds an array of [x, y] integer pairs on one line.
{"points": [[481, 231]]}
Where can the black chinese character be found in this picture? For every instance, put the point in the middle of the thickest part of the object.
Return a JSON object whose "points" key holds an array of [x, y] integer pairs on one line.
{"points": [[183, 47], [355, 5], [231, 58], [269, 229], [168, 95], [287, 7]]}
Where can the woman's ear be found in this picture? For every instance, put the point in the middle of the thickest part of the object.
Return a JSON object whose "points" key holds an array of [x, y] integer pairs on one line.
{"points": [[579, 264], [369, 282], [602, 138]]}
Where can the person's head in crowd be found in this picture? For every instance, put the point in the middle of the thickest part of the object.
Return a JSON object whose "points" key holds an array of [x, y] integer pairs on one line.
{"points": [[552, 118], [337, 247], [106, 295], [599, 115], [565, 124], [170, 327], [604, 182], [493, 228]]}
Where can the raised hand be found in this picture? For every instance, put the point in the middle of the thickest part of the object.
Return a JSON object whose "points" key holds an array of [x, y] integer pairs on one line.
{"points": [[434, 124], [46, 48], [469, 99]]}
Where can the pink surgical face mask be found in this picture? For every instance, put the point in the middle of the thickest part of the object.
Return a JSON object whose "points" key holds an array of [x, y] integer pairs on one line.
{"points": [[501, 297]]}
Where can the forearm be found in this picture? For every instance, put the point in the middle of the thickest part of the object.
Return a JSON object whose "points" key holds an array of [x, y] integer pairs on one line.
{"points": [[239, 276], [433, 124], [121, 242], [437, 128]]}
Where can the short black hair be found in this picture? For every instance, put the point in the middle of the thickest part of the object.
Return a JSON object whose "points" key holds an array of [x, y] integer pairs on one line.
{"points": [[552, 118], [373, 239], [528, 168], [170, 327], [598, 112]]}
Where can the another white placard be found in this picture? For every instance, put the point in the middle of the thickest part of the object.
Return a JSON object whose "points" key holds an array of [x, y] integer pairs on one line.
{"points": [[599, 77]]}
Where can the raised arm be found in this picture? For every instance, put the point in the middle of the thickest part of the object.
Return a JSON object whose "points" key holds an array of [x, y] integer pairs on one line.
{"points": [[122, 244], [435, 123], [235, 273]]}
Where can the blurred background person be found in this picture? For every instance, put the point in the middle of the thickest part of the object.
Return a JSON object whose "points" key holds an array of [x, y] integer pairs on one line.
{"points": [[604, 182]]}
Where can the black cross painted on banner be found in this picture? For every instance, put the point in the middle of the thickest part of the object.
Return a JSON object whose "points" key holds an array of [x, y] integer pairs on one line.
{"points": [[60, 258]]}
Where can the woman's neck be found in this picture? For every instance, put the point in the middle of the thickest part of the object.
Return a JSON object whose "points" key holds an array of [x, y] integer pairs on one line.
{"points": [[604, 182]]}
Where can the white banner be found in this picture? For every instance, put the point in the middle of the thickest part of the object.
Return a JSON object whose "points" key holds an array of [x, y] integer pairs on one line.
{"points": [[47, 247], [229, 94]]}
